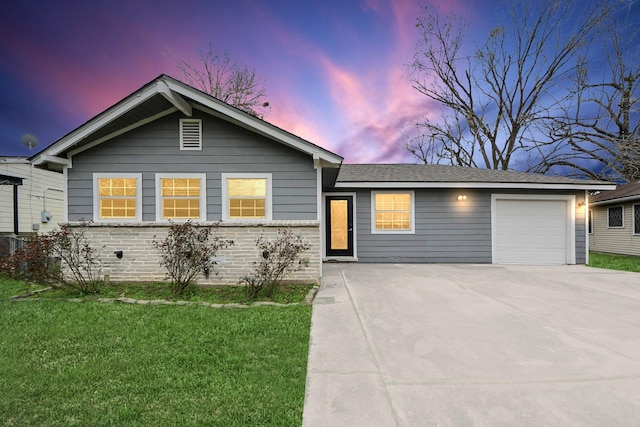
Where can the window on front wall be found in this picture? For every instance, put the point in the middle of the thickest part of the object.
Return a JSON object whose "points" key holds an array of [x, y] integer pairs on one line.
{"points": [[117, 197], [246, 196], [392, 212], [180, 197], [636, 219], [615, 217], [590, 221]]}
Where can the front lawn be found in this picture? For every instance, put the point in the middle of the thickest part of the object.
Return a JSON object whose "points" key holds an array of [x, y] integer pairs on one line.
{"points": [[614, 262], [120, 364], [285, 294]]}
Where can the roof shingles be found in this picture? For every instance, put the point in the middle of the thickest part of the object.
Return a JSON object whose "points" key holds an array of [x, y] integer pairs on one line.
{"points": [[623, 192], [412, 173]]}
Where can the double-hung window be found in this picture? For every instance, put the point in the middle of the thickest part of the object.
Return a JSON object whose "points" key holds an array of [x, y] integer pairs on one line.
{"points": [[636, 219], [117, 197], [392, 212], [181, 197], [246, 196]]}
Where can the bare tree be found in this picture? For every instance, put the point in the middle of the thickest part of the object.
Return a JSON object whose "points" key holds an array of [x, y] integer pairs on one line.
{"points": [[219, 76], [494, 99], [598, 134]]}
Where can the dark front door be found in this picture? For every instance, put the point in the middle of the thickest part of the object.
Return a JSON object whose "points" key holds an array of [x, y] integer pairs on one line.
{"points": [[339, 225]]}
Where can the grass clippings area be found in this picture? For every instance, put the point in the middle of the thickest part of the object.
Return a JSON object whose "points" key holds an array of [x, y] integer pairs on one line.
{"points": [[614, 262], [65, 364]]}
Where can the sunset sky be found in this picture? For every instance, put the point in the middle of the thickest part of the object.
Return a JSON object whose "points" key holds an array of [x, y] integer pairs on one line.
{"points": [[334, 70]]}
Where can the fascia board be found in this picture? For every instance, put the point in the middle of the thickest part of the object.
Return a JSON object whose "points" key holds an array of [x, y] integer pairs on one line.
{"points": [[616, 201], [253, 124], [95, 124], [122, 131], [46, 158], [506, 185]]}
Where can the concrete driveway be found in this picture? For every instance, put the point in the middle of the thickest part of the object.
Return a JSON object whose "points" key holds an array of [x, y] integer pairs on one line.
{"points": [[474, 345]]}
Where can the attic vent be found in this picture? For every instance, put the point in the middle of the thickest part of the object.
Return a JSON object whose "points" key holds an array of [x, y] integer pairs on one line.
{"points": [[190, 134]]}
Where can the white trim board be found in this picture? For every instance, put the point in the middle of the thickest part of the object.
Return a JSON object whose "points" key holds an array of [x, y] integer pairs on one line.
{"points": [[488, 185]]}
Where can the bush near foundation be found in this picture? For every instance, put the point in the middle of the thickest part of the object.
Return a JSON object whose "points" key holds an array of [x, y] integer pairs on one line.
{"points": [[278, 257], [188, 250]]}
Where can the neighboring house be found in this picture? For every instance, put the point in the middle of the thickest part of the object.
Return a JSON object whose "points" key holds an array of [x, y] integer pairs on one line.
{"points": [[169, 152], [39, 194], [614, 223]]}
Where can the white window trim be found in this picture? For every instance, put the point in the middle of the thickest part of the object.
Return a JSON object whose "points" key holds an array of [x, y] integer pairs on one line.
{"points": [[180, 130], [96, 196], [268, 199], [203, 195], [633, 224], [617, 226], [412, 214]]}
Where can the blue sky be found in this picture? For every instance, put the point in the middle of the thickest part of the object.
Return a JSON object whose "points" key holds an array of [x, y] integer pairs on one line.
{"points": [[334, 70]]}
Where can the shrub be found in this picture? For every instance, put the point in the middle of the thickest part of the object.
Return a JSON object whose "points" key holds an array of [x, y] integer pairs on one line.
{"points": [[278, 257], [81, 265], [34, 261], [187, 250]]}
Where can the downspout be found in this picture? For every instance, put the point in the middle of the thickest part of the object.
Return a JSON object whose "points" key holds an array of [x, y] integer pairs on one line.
{"points": [[317, 165], [587, 218]]}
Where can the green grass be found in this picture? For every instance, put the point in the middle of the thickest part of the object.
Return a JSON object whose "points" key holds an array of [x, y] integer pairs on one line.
{"points": [[66, 364], [614, 262], [213, 294]]}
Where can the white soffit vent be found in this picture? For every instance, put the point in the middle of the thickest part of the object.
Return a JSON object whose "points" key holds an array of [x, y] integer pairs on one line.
{"points": [[190, 134]]}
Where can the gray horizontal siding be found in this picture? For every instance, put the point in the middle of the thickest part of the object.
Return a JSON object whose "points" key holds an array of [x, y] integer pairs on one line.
{"points": [[154, 148], [446, 230], [443, 232]]}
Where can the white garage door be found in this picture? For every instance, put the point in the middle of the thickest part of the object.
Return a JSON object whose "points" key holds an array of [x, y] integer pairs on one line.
{"points": [[531, 231]]}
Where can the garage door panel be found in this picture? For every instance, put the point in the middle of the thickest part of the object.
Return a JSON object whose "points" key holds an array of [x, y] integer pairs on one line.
{"points": [[531, 231]]}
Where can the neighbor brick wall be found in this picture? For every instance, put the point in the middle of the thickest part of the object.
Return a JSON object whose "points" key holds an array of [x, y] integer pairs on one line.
{"points": [[141, 261]]}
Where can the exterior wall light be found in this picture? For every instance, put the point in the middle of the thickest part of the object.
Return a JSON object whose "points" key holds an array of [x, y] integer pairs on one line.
{"points": [[118, 254], [581, 204], [462, 197]]}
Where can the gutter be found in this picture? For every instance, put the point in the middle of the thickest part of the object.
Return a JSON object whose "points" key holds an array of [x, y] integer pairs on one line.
{"points": [[618, 200]]}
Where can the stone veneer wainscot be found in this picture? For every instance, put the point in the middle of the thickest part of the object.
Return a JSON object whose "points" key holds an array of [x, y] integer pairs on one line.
{"points": [[141, 261]]}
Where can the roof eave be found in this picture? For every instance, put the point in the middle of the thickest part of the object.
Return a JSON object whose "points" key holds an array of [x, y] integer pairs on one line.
{"points": [[616, 200], [475, 184], [96, 123], [254, 124], [173, 91]]}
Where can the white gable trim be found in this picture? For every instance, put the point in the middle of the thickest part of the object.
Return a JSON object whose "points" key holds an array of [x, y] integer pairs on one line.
{"points": [[102, 120], [242, 119], [174, 98], [122, 131], [178, 94]]}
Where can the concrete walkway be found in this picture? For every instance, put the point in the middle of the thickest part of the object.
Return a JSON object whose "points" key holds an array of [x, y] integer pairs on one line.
{"points": [[474, 345]]}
